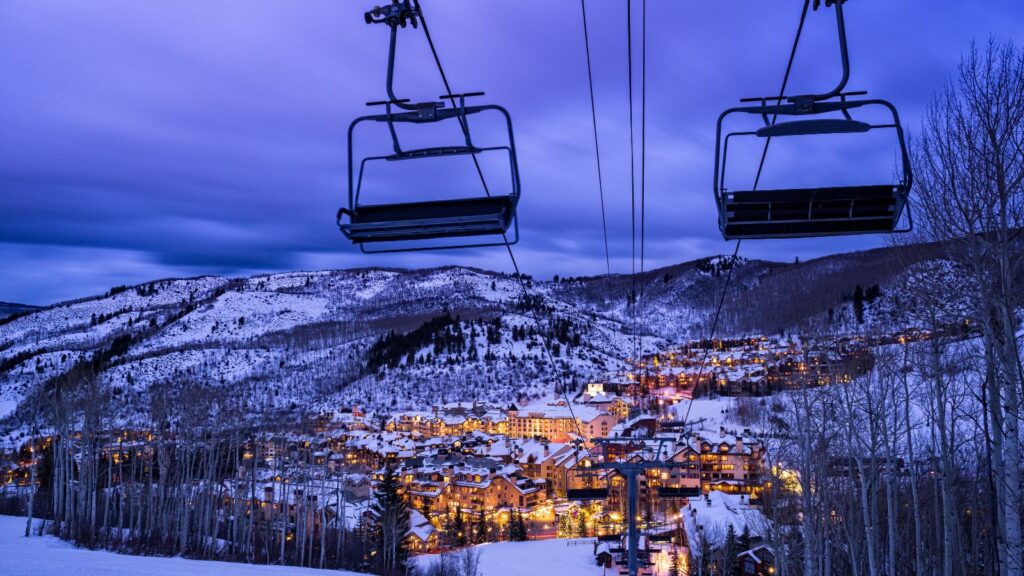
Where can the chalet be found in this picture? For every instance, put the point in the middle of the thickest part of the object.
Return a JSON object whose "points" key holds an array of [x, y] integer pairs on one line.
{"points": [[423, 536], [758, 561], [554, 462]]}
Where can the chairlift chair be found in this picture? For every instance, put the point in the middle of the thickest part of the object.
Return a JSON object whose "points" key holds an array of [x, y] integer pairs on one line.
{"points": [[589, 493], [402, 226], [678, 492], [817, 211]]}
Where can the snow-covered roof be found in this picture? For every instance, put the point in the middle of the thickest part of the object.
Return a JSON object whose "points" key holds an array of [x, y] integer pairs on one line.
{"points": [[709, 517], [419, 526]]}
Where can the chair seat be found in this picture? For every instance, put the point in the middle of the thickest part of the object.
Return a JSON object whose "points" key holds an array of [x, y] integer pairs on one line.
{"points": [[587, 493], [681, 492], [813, 126], [812, 211], [430, 220]]}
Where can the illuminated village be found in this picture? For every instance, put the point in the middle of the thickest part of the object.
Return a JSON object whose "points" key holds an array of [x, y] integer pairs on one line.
{"points": [[473, 473]]}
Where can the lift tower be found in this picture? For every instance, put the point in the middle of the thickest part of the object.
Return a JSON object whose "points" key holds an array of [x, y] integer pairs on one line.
{"points": [[619, 454]]}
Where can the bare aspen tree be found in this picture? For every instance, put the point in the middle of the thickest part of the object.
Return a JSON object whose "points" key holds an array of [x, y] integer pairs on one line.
{"points": [[969, 161]]}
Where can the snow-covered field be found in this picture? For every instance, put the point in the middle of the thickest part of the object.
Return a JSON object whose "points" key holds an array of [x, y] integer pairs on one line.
{"points": [[555, 557], [49, 556], [713, 410]]}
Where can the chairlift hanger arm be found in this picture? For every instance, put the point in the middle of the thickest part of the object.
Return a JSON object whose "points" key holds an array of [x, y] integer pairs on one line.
{"points": [[398, 14], [843, 55], [808, 100]]}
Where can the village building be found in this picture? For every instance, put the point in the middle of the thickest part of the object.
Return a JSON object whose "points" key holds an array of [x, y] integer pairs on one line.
{"points": [[722, 460], [452, 419], [423, 536], [559, 422], [758, 561], [473, 485]]}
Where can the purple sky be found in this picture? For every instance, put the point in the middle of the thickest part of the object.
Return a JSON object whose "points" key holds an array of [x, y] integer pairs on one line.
{"points": [[152, 139]]}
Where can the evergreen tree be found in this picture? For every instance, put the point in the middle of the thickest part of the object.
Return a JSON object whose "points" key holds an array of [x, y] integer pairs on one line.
{"points": [[705, 556], [858, 303], [521, 528], [480, 533], [511, 529], [730, 551], [459, 529], [581, 525], [391, 526], [516, 526], [565, 527], [745, 542], [675, 566]]}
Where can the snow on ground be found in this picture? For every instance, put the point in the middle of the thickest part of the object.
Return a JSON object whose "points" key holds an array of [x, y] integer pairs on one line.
{"points": [[556, 557], [238, 316], [46, 556], [712, 410], [77, 314], [228, 365]]}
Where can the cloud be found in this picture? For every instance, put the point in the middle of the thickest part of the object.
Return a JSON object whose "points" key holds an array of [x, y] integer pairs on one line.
{"points": [[153, 139]]}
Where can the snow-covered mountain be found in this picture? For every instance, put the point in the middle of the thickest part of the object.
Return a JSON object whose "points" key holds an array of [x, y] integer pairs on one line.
{"points": [[9, 309], [388, 339]]}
